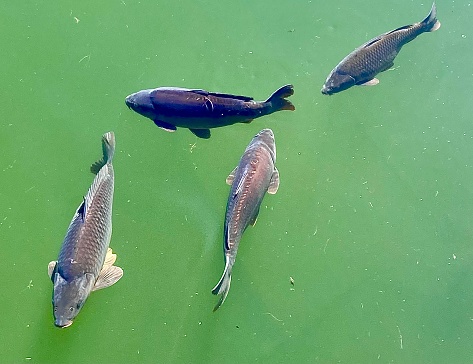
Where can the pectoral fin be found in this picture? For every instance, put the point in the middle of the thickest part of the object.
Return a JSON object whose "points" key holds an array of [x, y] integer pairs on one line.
{"points": [[274, 183], [201, 133], [51, 267], [231, 176], [107, 277], [372, 82], [165, 126]]}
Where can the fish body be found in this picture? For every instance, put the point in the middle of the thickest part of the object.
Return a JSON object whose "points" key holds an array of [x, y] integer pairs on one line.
{"points": [[255, 175], [200, 110], [377, 55], [85, 262]]}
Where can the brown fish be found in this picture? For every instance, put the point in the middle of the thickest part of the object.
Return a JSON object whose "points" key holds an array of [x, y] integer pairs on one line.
{"points": [[362, 65], [255, 175], [85, 262]]}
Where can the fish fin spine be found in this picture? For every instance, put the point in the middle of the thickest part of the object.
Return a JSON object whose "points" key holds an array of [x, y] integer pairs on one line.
{"points": [[278, 99]]}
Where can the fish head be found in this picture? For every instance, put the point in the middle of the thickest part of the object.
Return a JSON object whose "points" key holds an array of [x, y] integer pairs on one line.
{"points": [[266, 136], [141, 102], [69, 297], [337, 81]]}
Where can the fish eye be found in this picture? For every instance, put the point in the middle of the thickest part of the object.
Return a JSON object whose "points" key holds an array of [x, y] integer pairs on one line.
{"points": [[71, 309]]}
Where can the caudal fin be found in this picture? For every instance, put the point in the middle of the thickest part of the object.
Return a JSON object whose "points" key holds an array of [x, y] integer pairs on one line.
{"points": [[430, 23], [108, 149], [223, 286], [278, 99]]}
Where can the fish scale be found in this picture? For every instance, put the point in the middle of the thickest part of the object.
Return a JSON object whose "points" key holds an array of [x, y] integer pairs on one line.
{"points": [[86, 244]]}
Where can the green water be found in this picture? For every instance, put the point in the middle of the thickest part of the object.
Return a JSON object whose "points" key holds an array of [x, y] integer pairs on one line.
{"points": [[373, 219]]}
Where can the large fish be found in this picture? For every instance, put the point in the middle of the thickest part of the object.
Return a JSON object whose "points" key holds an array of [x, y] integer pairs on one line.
{"points": [[85, 262], [200, 110], [362, 65], [255, 175]]}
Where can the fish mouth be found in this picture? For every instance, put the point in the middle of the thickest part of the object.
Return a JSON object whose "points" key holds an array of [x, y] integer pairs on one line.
{"points": [[326, 90], [129, 101], [62, 323]]}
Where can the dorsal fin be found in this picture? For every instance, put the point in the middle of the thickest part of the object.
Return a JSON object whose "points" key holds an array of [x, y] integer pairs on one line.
{"points": [[103, 173], [226, 96], [241, 182], [380, 37], [372, 41], [81, 210]]}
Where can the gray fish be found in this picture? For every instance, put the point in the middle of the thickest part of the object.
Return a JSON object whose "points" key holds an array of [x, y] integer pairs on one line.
{"points": [[255, 175], [85, 262], [362, 65], [200, 110]]}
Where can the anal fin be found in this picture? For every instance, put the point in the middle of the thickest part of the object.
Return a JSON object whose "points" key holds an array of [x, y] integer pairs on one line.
{"points": [[390, 65], [110, 258], [274, 183], [201, 133]]}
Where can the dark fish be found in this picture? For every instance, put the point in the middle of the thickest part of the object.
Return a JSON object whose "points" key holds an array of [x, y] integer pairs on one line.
{"points": [[255, 175], [362, 65], [85, 262], [200, 110]]}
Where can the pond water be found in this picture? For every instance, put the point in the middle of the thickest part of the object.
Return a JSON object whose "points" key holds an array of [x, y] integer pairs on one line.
{"points": [[373, 220]]}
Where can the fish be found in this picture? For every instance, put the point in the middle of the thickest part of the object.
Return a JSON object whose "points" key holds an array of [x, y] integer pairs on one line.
{"points": [[377, 55], [85, 261], [200, 110], [254, 175]]}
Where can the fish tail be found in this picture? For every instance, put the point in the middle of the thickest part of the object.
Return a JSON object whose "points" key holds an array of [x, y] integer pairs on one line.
{"points": [[430, 23], [108, 149], [223, 286], [278, 99]]}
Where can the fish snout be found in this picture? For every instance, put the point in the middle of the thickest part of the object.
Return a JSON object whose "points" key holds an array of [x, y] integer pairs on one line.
{"points": [[326, 90], [129, 101]]}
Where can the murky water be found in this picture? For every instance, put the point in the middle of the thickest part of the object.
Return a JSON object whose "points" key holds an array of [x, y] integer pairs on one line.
{"points": [[372, 221]]}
